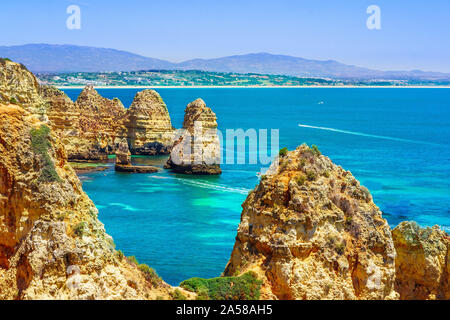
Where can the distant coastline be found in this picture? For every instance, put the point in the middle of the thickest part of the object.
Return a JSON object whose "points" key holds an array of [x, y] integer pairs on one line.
{"points": [[252, 87]]}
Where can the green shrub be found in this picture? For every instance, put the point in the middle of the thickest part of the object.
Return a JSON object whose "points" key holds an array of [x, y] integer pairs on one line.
{"points": [[80, 229], [283, 152], [150, 274], [302, 162], [13, 100], [40, 143], [177, 295], [245, 287], [202, 294], [348, 220], [132, 260], [326, 174], [311, 175], [315, 150], [6, 59], [120, 255], [300, 179], [340, 248]]}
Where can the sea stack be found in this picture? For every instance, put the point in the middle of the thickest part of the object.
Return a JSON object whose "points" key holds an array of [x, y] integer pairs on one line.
{"points": [[90, 128], [123, 161], [123, 155], [311, 231], [197, 150], [100, 124], [148, 125]]}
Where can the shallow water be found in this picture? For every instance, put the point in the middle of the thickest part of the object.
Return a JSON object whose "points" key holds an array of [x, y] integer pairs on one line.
{"points": [[395, 141]]}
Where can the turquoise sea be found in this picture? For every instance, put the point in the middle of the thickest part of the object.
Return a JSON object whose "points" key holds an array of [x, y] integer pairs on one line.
{"points": [[396, 141]]}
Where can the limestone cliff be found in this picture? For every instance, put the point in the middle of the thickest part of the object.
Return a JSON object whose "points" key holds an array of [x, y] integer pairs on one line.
{"points": [[73, 126], [99, 125], [311, 231], [422, 263], [92, 127], [149, 129], [20, 87], [52, 246], [197, 150]]}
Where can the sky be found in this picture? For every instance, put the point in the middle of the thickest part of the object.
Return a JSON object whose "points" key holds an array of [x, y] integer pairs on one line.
{"points": [[414, 34]]}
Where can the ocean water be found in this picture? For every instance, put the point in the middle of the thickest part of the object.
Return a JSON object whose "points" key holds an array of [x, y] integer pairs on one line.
{"points": [[395, 141]]}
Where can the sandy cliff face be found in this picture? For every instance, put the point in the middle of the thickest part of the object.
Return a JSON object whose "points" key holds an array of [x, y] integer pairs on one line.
{"points": [[149, 129], [91, 127], [81, 135], [19, 86], [197, 149], [311, 231], [422, 262], [52, 246], [99, 124]]}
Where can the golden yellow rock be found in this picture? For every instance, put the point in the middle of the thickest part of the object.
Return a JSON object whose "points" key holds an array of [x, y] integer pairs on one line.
{"points": [[197, 149], [422, 263], [52, 246], [20, 87], [311, 231], [149, 129]]}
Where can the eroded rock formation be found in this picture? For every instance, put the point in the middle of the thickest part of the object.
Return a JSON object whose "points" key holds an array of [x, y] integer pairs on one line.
{"points": [[422, 262], [123, 161], [197, 150], [311, 231], [84, 139], [20, 87], [149, 129], [52, 246], [92, 126], [123, 155]]}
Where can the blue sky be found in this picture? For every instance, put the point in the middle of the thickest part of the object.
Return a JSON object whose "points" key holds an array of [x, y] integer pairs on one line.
{"points": [[415, 34]]}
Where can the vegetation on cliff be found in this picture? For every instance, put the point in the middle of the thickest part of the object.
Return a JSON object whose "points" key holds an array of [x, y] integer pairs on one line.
{"points": [[244, 287], [41, 143]]}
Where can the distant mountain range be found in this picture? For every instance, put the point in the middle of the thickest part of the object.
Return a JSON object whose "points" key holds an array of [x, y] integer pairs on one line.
{"points": [[45, 58]]}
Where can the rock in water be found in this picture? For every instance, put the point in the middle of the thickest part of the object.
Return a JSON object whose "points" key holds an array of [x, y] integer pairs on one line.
{"points": [[123, 161], [311, 231], [100, 126], [92, 127], [81, 133], [149, 129], [197, 151], [422, 263], [52, 245], [123, 155]]}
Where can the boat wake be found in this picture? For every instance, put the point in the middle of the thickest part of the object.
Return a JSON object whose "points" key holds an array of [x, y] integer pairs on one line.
{"points": [[209, 185], [213, 186], [367, 135]]}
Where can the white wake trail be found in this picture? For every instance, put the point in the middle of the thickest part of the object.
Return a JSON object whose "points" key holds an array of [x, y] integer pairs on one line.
{"points": [[367, 135], [207, 185]]}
